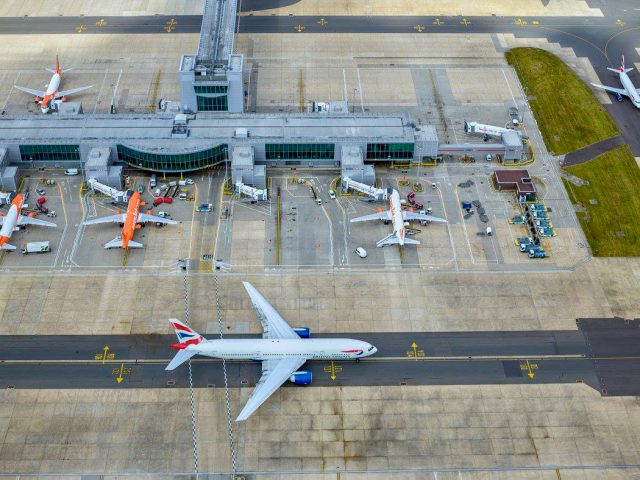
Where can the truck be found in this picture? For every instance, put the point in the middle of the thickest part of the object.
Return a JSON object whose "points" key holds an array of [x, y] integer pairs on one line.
{"points": [[36, 247]]}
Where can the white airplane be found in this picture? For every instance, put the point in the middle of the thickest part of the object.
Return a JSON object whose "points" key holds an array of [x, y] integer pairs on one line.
{"points": [[51, 97], [13, 219], [282, 351], [628, 89], [397, 216]]}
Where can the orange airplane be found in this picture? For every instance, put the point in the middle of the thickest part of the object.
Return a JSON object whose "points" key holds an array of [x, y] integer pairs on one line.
{"points": [[13, 219], [131, 221]]}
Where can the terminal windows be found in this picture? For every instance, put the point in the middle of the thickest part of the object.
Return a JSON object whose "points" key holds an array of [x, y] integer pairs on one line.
{"points": [[49, 152], [212, 104], [300, 151], [390, 151], [210, 89], [183, 162]]}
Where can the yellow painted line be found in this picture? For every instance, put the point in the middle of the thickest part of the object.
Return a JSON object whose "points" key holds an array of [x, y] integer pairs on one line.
{"points": [[126, 256], [81, 28], [333, 369], [299, 28], [170, 26]]}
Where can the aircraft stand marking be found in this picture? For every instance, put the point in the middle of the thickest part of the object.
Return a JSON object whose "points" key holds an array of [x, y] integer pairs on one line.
{"points": [[414, 352], [529, 367], [333, 369], [105, 355], [120, 372]]}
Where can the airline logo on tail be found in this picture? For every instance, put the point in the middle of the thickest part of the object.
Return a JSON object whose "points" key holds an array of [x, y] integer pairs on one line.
{"points": [[186, 335]]}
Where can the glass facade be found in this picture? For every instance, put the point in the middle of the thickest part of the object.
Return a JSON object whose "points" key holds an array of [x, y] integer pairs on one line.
{"points": [[212, 98], [212, 104], [300, 151], [49, 152], [389, 151], [183, 162]]}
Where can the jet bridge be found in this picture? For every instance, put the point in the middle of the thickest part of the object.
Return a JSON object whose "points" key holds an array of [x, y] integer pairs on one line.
{"points": [[256, 194], [117, 195], [373, 192]]}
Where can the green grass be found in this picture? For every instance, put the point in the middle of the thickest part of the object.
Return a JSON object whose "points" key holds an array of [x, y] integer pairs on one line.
{"points": [[614, 182], [568, 115]]}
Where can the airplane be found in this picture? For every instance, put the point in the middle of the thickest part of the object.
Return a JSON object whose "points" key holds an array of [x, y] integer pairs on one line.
{"points": [[282, 350], [397, 216], [14, 218], [130, 223], [51, 97], [628, 89]]}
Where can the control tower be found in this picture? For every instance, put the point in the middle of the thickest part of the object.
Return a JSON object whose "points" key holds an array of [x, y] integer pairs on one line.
{"points": [[211, 80]]}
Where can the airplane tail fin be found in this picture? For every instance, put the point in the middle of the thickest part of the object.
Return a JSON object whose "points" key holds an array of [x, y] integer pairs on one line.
{"points": [[7, 246], [186, 335], [621, 68]]}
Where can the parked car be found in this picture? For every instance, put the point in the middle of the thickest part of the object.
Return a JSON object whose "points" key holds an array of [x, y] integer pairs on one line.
{"points": [[204, 207], [332, 195], [168, 200], [163, 215], [361, 252], [41, 191], [157, 201]]}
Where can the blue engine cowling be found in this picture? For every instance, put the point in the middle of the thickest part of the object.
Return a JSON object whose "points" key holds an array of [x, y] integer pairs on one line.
{"points": [[301, 377], [303, 332], [618, 97]]}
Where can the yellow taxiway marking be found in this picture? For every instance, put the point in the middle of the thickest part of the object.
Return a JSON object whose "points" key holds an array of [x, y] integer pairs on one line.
{"points": [[414, 352], [299, 28], [465, 22], [438, 22], [535, 22], [521, 22], [125, 257], [120, 372], [322, 22], [101, 23], [620, 23], [81, 28], [105, 355], [529, 367], [170, 26], [419, 28], [333, 369]]}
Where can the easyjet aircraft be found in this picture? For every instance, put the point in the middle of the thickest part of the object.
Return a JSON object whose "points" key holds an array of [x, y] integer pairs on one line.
{"points": [[51, 97], [13, 219], [130, 223]]}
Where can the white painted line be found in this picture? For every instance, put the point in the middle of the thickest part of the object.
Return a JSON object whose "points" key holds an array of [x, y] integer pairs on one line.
{"points": [[104, 79]]}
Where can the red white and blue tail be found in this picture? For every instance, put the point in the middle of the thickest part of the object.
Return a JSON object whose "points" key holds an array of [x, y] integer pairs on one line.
{"points": [[621, 68], [186, 335]]}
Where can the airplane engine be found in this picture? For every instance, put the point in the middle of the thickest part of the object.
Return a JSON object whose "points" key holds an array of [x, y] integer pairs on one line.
{"points": [[618, 97], [301, 377], [303, 332]]}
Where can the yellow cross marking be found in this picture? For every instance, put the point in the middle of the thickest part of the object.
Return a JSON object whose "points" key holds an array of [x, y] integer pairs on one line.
{"points": [[299, 28], [323, 22], [521, 22], [105, 355], [120, 372], [101, 23], [465, 22], [438, 22], [81, 28], [620, 23], [529, 367], [419, 28], [333, 369], [414, 352], [170, 26]]}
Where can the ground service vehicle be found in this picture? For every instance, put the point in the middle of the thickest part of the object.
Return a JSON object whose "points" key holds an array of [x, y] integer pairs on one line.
{"points": [[71, 172], [36, 247]]}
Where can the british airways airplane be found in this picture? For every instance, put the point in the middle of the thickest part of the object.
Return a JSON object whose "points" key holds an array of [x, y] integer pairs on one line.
{"points": [[628, 89], [282, 351]]}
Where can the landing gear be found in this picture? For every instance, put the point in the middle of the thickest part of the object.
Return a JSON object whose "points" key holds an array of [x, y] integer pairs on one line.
{"points": [[357, 360]]}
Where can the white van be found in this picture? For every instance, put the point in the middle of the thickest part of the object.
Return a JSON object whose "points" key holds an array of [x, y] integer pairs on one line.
{"points": [[71, 171], [182, 196]]}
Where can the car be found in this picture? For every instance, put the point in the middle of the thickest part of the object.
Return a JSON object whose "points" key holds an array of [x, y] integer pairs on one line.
{"points": [[158, 201], [163, 215], [140, 189], [52, 214], [332, 195], [41, 192], [204, 207], [70, 172], [361, 252], [168, 200], [189, 181], [489, 157]]}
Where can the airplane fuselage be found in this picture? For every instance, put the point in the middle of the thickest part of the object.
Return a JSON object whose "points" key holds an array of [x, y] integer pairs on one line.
{"points": [[397, 219], [627, 84], [274, 349], [11, 219], [52, 91], [131, 219]]}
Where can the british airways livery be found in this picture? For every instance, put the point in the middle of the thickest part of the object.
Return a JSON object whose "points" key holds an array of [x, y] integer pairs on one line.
{"points": [[282, 350]]}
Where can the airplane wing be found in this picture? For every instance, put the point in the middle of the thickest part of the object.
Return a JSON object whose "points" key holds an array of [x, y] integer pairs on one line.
{"points": [[110, 219], [274, 374], [26, 220], [73, 91], [621, 91], [420, 216], [373, 216], [273, 324], [143, 217], [31, 91]]}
